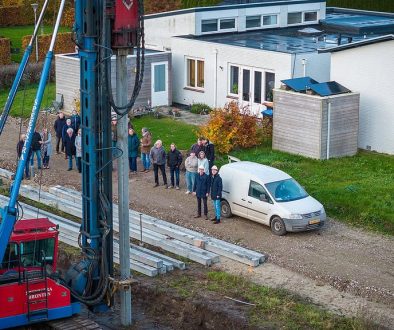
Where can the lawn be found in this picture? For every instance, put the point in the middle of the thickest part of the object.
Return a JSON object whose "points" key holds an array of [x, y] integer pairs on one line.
{"points": [[168, 130], [358, 190], [15, 34], [24, 99]]}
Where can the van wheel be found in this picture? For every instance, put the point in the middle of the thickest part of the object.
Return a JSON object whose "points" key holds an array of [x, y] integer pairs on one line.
{"points": [[278, 226], [225, 209]]}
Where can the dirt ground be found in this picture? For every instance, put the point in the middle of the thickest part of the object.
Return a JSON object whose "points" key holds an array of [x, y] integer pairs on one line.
{"points": [[352, 263]]}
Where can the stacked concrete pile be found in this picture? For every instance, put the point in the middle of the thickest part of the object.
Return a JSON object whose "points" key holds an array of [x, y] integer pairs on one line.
{"points": [[170, 237]]}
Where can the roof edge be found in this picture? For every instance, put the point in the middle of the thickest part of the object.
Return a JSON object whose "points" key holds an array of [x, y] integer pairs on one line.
{"points": [[356, 44]]}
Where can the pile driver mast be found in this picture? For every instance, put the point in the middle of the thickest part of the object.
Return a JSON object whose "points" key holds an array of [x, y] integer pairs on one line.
{"points": [[100, 26]]}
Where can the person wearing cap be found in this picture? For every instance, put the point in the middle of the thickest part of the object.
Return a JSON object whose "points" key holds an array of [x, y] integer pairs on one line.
{"points": [[216, 193], [201, 191]]}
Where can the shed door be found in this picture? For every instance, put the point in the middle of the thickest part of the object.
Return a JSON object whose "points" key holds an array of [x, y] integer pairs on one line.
{"points": [[159, 84]]}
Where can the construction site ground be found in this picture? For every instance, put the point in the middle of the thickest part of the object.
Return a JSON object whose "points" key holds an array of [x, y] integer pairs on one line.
{"points": [[343, 269]]}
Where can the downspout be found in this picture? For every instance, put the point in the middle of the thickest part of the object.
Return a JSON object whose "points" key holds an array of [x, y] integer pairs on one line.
{"points": [[215, 90], [328, 127]]}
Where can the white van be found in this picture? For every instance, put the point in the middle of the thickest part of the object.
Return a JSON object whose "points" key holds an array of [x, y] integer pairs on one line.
{"points": [[270, 196]]}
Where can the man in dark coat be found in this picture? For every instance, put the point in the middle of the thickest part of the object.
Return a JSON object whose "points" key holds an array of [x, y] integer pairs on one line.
{"points": [[209, 149], [216, 193], [201, 191], [19, 148], [64, 132], [58, 127], [197, 147], [75, 121], [174, 161], [69, 144], [36, 148], [158, 158]]}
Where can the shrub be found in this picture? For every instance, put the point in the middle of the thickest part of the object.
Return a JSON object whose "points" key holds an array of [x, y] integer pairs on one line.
{"points": [[32, 74], [228, 128], [5, 56], [200, 108]]}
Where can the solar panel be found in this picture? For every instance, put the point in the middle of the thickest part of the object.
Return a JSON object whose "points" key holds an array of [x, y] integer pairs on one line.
{"points": [[329, 88], [299, 84]]}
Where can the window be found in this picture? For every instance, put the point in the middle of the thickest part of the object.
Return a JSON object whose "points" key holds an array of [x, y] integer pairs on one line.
{"points": [[246, 85], [286, 190], [310, 16], [10, 259], [269, 86], [253, 22], [34, 253], [195, 73], [227, 23], [257, 87], [209, 25], [270, 20], [159, 84], [256, 190], [234, 79], [294, 18]]}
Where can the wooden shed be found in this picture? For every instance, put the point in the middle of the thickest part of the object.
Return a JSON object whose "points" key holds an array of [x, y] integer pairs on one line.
{"points": [[156, 87], [315, 126]]}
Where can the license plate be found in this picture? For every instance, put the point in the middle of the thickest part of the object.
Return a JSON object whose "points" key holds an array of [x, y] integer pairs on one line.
{"points": [[314, 221]]}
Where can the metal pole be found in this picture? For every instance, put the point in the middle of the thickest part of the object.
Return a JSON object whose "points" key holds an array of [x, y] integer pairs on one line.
{"points": [[35, 6], [123, 188]]}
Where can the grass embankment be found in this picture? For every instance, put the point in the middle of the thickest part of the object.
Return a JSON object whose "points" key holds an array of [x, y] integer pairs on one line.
{"points": [[271, 309], [16, 33], [24, 99]]}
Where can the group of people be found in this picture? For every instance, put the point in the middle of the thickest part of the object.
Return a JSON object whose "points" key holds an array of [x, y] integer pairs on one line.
{"points": [[202, 178], [69, 138]]}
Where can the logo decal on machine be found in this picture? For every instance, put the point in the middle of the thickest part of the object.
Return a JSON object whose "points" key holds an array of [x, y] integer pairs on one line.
{"points": [[128, 3]]}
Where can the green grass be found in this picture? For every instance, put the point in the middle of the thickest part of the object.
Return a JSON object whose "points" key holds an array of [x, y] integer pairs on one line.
{"points": [[273, 308], [15, 34], [24, 99], [168, 130], [358, 190]]}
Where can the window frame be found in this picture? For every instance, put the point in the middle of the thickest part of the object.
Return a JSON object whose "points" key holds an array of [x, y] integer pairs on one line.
{"points": [[263, 192], [218, 21], [269, 25], [254, 27], [229, 80], [309, 12], [196, 80], [295, 12]]}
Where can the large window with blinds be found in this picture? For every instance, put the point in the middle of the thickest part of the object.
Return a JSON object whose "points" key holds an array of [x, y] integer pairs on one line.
{"points": [[195, 73]]}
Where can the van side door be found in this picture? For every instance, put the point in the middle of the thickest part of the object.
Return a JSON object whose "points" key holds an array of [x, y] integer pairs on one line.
{"points": [[259, 203]]}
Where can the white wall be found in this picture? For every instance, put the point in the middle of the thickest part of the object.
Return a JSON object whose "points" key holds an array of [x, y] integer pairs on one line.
{"points": [[159, 30], [279, 63], [369, 70], [317, 66]]}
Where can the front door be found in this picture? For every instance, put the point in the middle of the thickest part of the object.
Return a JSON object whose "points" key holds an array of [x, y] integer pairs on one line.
{"points": [[159, 84]]}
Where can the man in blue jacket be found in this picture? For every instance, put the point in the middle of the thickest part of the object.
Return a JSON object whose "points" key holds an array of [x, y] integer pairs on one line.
{"points": [[216, 192], [201, 191]]}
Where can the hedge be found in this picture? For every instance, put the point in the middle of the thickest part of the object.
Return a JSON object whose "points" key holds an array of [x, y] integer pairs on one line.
{"points": [[31, 76], [63, 44], [5, 48], [376, 5]]}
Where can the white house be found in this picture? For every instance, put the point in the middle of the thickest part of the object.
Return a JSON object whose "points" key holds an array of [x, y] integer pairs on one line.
{"points": [[242, 52], [372, 75]]}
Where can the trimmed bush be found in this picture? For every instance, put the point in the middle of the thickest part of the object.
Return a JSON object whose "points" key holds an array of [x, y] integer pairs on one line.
{"points": [[5, 48], [200, 108], [64, 44], [32, 74]]}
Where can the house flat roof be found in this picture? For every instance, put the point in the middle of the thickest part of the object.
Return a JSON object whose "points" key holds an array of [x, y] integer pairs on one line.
{"points": [[292, 40]]}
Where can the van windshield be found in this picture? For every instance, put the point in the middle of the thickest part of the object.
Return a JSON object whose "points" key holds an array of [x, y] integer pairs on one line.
{"points": [[286, 190]]}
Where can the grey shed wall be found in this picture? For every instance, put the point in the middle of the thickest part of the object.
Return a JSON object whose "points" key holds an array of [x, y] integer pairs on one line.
{"points": [[300, 124], [68, 77]]}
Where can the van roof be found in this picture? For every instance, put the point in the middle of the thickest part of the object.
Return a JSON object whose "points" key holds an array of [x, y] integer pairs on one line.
{"points": [[263, 172]]}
